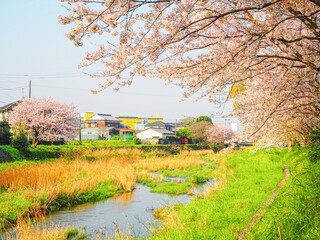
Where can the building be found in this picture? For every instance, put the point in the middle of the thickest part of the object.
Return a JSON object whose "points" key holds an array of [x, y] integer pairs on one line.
{"points": [[152, 135], [6, 109], [102, 120], [174, 127], [84, 117], [98, 133], [125, 130], [137, 123], [156, 124]]}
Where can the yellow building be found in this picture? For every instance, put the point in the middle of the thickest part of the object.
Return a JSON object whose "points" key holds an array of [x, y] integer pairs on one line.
{"points": [[86, 116], [137, 123]]}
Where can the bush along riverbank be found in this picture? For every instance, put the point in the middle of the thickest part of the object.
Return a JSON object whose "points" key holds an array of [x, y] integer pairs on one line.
{"points": [[73, 148]]}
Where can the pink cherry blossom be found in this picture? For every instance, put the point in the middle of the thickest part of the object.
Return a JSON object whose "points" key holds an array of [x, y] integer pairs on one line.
{"points": [[264, 54], [44, 118]]}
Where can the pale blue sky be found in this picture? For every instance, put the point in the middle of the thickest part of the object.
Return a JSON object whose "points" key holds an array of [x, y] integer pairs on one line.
{"points": [[33, 47]]}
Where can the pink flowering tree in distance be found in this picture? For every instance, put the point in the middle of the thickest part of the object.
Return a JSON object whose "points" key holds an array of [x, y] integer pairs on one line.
{"points": [[219, 133], [44, 118], [264, 54]]}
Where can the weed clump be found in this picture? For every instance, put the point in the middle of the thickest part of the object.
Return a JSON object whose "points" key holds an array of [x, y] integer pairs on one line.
{"points": [[197, 179]]}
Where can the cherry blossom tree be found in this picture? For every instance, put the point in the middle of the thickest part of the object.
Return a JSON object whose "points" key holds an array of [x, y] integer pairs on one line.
{"points": [[45, 119], [199, 131], [219, 133], [264, 54]]}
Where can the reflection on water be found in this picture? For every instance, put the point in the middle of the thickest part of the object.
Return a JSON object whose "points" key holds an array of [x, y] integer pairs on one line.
{"points": [[124, 198], [135, 208]]}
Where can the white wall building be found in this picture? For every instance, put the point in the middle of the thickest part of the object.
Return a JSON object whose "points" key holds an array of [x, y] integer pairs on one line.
{"points": [[153, 135]]}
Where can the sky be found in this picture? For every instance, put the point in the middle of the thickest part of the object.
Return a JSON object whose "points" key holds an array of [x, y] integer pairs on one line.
{"points": [[33, 47]]}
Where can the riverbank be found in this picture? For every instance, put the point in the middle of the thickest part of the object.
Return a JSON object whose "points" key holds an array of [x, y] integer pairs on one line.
{"points": [[30, 188], [244, 181], [251, 179]]}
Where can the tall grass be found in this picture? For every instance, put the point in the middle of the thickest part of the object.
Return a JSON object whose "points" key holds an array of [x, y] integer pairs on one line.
{"points": [[26, 230], [155, 164], [26, 189]]}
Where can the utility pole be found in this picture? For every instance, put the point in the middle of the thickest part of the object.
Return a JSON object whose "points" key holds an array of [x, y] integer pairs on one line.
{"points": [[124, 135], [29, 89], [79, 129], [225, 121], [175, 127]]}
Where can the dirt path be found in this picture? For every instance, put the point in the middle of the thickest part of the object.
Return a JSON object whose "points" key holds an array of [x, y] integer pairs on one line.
{"points": [[258, 214]]}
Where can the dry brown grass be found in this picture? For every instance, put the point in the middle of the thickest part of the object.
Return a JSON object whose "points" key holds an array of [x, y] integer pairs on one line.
{"points": [[134, 152], [150, 176], [155, 164], [42, 184], [25, 230], [70, 175], [197, 152]]}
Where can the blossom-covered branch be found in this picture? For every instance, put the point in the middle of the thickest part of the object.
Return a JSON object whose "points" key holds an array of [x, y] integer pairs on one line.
{"points": [[264, 54]]}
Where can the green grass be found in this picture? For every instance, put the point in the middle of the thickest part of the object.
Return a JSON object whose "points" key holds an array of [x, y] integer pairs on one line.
{"points": [[182, 173], [296, 209], [224, 214], [172, 188]]}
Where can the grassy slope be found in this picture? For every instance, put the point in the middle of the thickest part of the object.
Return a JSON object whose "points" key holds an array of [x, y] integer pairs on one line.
{"points": [[297, 206], [224, 214]]}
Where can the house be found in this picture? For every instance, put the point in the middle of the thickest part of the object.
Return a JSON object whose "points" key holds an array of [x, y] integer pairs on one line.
{"points": [[156, 124], [6, 109], [137, 123], [125, 130], [152, 135], [98, 133], [102, 120], [174, 127]]}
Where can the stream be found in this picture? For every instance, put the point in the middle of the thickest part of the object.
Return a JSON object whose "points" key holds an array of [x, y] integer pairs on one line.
{"points": [[131, 212]]}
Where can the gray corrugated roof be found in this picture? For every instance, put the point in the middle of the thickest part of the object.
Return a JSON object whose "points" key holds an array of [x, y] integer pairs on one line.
{"points": [[9, 106], [103, 117], [97, 129], [160, 130], [156, 123]]}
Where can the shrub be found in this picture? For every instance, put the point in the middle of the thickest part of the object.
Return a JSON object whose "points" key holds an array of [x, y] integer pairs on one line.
{"points": [[21, 143], [197, 179], [5, 133], [115, 137], [136, 140]]}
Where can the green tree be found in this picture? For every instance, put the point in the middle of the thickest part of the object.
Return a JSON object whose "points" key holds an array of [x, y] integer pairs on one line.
{"points": [[185, 133], [204, 118], [5, 133]]}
